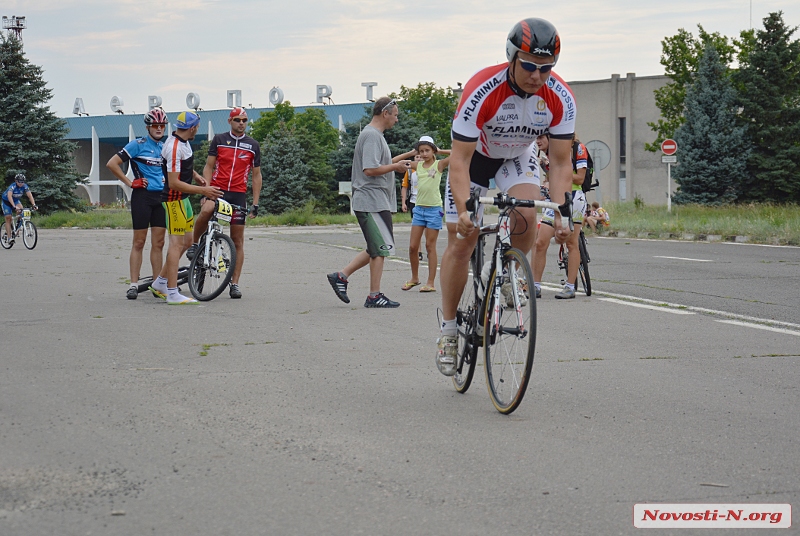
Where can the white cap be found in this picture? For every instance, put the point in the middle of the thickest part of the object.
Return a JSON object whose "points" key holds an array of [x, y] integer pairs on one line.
{"points": [[428, 139]]}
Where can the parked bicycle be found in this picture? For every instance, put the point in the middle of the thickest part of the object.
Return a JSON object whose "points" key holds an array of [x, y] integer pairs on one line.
{"points": [[212, 266], [21, 226], [496, 311], [583, 267]]}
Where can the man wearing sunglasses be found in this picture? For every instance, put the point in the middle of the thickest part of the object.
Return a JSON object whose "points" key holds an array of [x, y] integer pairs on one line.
{"points": [[147, 211], [502, 111], [231, 157], [374, 200]]}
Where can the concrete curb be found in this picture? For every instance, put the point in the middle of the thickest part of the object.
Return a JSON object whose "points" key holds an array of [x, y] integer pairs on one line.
{"points": [[739, 239]]}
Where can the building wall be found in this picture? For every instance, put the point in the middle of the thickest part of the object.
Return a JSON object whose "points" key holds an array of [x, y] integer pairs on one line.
{"points": [[601, 105], [83, 162]]}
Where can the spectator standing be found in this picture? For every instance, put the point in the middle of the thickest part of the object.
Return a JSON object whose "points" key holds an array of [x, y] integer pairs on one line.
{"points": [[374, 200], [428, 212]]}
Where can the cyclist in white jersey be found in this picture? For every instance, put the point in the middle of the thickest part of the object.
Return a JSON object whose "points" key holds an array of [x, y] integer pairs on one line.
{"points": [[502, 111]]}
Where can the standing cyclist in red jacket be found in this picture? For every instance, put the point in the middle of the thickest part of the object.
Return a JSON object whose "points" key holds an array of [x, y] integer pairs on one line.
{"points": [[231, 156]]}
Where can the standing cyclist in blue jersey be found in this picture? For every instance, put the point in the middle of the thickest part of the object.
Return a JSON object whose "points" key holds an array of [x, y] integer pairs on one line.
{"points": [[144, 155], [11, 202]]}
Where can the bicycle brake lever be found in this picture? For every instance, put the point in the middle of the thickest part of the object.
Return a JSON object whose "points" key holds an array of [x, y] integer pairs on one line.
{"points": [[566, 211]]}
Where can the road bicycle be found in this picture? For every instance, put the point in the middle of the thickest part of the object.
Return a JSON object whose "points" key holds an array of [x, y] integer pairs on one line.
{"points": [[21, 226], [583, 267], [212, 266], [146, 282], [496, 311]]}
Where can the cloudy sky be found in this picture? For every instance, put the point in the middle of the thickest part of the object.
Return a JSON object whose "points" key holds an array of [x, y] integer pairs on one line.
{"points": [[96, 49]]}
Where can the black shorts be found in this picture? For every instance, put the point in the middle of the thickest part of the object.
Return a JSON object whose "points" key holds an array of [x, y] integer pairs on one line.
{"points": [[147, 210], [238, 199], [482, 168]]}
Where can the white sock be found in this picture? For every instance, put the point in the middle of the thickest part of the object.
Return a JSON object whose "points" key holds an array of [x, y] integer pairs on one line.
{"points": [[569, 286], [135, 285], [173, 295], [537, 285], [160, 283], [449, 327]]}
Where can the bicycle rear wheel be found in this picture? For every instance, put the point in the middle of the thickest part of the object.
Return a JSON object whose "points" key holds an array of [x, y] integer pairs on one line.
{"points": [[510, 331], [467, 317], [5, 240], [583, 268], [29, 235], [207, 279]]}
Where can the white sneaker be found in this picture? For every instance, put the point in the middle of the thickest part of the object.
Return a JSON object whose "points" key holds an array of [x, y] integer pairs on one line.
{"points": [[182, 300], [446, 354]]}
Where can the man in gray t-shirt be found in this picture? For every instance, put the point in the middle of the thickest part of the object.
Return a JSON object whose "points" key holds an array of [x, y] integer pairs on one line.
{"points": [[374, 200]]}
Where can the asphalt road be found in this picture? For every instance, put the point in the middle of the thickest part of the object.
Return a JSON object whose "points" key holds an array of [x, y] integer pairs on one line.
{"points": [[289, 412]]}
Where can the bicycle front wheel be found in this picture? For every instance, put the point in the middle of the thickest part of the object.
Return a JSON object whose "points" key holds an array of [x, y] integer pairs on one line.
{"points": [[583, 268], [209, 277], [5, 239], [510, 331], [29, 235]]}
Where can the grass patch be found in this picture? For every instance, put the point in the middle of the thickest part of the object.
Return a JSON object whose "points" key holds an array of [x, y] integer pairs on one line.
{"points": [[590, 359], [763, 223], [659, 357], [100, 218]]}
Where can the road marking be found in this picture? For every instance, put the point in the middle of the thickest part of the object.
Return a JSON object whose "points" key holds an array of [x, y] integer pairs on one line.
{"points": [[665, 309], [759, 326], [702, 310], [681, 258]]}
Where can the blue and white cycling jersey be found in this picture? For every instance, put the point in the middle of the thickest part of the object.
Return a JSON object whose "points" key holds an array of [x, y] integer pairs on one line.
{"points": [[146, 161], [16, 191]]}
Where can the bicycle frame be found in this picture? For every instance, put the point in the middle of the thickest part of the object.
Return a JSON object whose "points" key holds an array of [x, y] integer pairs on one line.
{"points": [[502, 228], [222, 211]]}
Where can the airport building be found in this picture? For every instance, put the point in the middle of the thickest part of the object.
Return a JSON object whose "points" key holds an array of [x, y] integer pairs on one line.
{"points": [[612, 115]]}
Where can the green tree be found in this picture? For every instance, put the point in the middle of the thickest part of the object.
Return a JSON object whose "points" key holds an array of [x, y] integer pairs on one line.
{"points": [[285, 184], [268, 122], [31, 135], [769, 81], [680, 55], [712, 144], [433, 108], [316, 137]]}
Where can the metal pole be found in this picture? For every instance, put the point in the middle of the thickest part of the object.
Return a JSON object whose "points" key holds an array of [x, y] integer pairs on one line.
{"points": [[669, 186]]}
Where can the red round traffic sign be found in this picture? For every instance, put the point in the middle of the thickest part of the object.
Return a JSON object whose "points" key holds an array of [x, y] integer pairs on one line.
{"points": [[669, 146]]}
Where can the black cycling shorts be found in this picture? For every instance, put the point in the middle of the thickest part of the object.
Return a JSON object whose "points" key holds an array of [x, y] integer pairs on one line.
{"points": [[147, 210], [236, 199]]}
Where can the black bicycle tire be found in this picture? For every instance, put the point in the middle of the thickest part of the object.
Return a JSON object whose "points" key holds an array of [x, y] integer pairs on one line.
{"points": [[145, 282], [3, 235], [491, 338], [583, 268], [25, 234], [466, 334], [194, 267]]}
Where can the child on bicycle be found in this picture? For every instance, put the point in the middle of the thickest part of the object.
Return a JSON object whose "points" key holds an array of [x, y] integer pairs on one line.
{"points": [[428, 213], [11, 203]]}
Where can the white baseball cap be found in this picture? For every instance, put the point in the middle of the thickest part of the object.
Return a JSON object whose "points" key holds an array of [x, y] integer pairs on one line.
{"points": [[426, 139]]}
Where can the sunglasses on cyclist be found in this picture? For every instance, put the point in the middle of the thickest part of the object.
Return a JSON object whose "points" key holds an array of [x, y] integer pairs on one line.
{"points": [[238, 120], [531, 67], [159, 125]]}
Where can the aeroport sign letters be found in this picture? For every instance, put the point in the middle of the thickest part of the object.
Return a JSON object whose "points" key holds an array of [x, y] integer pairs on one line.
{"points": [[234, 98]]}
